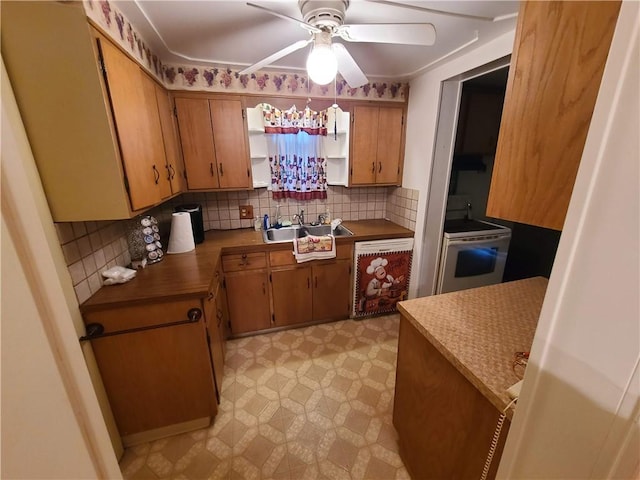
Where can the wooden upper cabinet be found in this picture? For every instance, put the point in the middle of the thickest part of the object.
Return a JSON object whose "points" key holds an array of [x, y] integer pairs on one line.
{"points": [[196, 138], [479, 124], [175, 164], [214, 145], [557, 64], [93, 131], [376, 146], [229, 134]]}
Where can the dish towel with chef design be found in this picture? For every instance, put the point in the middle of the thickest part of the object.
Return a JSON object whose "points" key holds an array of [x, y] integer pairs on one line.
{"points": [[314, 247]]}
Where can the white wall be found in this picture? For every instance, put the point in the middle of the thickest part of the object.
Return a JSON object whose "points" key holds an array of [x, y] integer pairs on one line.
{"points": [[52, 426], [578, 416], [422, 120]]}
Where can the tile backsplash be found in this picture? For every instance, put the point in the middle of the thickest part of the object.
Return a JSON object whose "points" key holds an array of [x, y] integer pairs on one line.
{"points": [[91, 247]]}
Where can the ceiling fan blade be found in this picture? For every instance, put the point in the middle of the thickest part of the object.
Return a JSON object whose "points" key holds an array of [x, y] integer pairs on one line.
{"points": [[442, 12], [400, 33], [348, 67], [305, 25], [276, 56]]}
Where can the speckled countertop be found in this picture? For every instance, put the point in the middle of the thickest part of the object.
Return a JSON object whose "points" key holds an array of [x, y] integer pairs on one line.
{"points": [[479, 330]]}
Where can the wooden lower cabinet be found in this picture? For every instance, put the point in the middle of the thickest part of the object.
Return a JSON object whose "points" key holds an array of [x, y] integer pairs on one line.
{"points": [[445, 425], [214, 318], [292, 296], [320, 290], [332, 290], [248, 301], [158, 380]]}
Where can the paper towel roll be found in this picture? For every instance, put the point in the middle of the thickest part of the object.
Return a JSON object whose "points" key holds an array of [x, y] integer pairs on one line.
{"points": [[181, 236]]}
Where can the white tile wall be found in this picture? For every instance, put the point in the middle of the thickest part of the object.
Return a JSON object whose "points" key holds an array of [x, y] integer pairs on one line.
{"points": [[91, 247]]}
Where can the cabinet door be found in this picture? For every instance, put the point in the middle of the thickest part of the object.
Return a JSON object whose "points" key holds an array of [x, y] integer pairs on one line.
{"points": [[389, 146], [144, 372], [216, 349], [551, 91], [248, 301], [134, 132], [364, 145], [292, 296], [229, 136], [175, 165], [196, 137], [156, 150], [332, 291]]}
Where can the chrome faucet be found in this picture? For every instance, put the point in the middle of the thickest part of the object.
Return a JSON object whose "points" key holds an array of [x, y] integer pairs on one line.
{"points": [[299, 217]]}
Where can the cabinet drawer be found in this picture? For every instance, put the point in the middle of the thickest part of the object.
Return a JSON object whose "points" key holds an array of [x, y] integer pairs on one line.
{"points": [[283, 258], [244, 261], [138, 316]]}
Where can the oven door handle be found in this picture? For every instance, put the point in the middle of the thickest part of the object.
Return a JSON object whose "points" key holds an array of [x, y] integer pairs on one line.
{"points": [[487, 241]]}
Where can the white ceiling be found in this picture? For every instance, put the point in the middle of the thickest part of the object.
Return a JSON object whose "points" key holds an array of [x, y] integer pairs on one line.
{"points": [[233, 34]]}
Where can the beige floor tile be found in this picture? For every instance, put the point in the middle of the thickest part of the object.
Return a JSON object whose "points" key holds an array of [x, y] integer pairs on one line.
{"points": [[309, 403]]}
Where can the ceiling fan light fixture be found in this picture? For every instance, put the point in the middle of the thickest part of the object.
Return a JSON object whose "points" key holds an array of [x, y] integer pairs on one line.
{"points": [[322, 64]]}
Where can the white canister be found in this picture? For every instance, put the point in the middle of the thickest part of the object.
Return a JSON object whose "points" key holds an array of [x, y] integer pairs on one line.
{"points": [[181, 236]]}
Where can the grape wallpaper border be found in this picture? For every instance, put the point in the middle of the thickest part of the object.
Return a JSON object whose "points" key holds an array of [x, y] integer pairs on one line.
{"points": [[223, 79]]}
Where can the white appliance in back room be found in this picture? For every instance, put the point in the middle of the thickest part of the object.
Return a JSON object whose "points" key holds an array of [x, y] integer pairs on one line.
{"points": [[474, 254]]}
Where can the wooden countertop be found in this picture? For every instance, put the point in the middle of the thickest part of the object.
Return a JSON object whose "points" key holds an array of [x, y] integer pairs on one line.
{"points": [[480, 329], [188, 275]]}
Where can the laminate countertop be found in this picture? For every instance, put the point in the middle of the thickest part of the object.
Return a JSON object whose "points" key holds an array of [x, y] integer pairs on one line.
{"points": [[189, 275], [480, 329]]}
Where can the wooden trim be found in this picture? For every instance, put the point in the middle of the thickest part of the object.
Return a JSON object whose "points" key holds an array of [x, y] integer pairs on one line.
{"points": [[162, 432]]}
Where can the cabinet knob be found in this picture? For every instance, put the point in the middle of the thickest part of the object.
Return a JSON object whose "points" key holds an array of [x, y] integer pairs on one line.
{"points": [[194, 314]]}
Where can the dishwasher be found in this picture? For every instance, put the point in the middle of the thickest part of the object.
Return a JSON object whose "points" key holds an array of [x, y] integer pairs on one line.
{"points": [[382, 269]]}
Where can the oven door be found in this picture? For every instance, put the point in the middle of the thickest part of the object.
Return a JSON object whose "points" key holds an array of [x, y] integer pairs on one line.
{"points": [[472, 263]]}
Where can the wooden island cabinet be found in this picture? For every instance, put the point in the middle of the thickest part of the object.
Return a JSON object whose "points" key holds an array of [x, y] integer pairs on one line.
{"points": [[455, 356]]}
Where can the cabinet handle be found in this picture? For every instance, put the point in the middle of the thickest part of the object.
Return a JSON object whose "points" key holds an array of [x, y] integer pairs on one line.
{"points": [[244, 261], [172, 172], [96, 330], [210, 296], [264, 288], [156, 174], [168, 173], [221, 170], [373, 167], [315, 282], [211, 169], [379, 167]]}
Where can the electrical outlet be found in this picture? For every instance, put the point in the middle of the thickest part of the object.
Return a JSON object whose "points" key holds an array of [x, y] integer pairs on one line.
{"points": [[246, 211]]}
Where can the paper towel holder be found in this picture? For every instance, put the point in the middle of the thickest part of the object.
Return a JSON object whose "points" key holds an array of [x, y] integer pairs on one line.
{"points": [[181, 235]]}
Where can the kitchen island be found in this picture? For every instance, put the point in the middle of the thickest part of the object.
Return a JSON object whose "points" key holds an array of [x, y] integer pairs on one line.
{"points": [[455, 363]]}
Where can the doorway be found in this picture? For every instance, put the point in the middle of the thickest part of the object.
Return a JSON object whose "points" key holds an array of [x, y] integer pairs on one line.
{"points": [[443, 155], [466, 139]]}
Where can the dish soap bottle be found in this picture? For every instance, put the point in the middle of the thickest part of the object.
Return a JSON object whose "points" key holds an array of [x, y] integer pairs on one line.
{"points": [[327, 217], [278, 222]]}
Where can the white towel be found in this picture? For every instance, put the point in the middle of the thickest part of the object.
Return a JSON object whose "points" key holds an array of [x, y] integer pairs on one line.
{"points": [[314, 247]]}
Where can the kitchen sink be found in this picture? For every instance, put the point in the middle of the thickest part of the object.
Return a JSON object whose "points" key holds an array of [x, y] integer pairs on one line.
{"points": [[287, 234]]}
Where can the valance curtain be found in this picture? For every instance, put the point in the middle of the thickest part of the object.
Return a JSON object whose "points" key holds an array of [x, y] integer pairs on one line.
{"points": [[294, 145]]}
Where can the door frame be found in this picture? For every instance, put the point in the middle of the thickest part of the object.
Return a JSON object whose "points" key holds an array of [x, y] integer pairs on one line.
{"points": [[444, 145]]}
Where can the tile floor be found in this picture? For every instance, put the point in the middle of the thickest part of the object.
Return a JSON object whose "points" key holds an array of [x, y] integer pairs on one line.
{"points": [[314, 402]]}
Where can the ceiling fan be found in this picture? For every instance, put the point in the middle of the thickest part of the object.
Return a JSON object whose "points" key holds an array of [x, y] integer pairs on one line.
{"points": [[324, 19]]}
